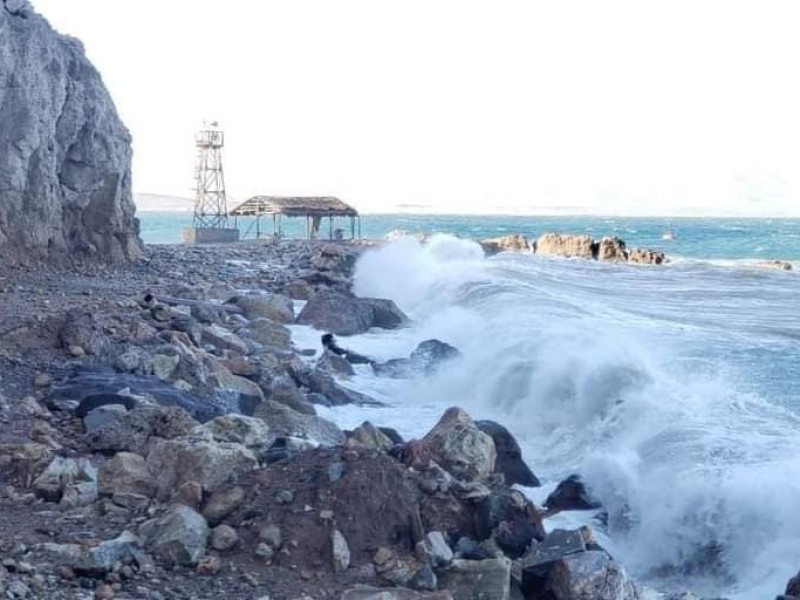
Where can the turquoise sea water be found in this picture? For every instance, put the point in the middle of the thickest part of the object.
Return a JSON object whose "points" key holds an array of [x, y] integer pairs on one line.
{"points": [[699, 238]]}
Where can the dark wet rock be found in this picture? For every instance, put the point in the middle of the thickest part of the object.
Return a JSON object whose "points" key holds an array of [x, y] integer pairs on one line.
{"points": [[571, 494], [347, 315], [284, 448], [86, 390], [319, 382], [426, 359], [509, 456], [793, 587], [392, 434], [334, 364]]}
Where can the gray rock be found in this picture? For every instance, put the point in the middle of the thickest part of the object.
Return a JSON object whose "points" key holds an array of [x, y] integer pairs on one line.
{"points": [[440, 550], [137, 430], [319, 382], [341, 552], [271, 534], [222, 503], [102, 416], [224, 537], [102, 558], [274, 307], [210, 465], [223, 339], [270, 333], [460, 447], [61, 473], [590, 576], [78, 494], [238, 429], [558, 544], [126, 473], [372, 593], [369, 436], [478, 579], [285, 391], [179, 537], [341, 314], [65, 156], [287, 423]]}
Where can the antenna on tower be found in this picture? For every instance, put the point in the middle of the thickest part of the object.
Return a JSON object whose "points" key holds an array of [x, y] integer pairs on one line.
{"points": [[210, 221]]}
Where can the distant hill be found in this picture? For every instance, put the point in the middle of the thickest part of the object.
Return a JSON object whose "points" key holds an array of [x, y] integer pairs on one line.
{"points": [[158, 203]]}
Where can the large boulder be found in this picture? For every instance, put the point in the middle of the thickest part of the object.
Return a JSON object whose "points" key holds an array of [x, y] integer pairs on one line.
{"points": [[270, 333], [275, 307], [65, 156], [571, 494], [61, 474], [285, 422], [478, 579], [460, 447], [343, 314], [124, 476], [590, 575], [568, 246], [509, 456], [238, 429], [179, 537], [197, 460], [136, 431]]}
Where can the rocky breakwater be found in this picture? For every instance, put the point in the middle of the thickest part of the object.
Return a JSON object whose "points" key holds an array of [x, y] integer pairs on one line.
{"points": [[65, 156], [574, 246]]}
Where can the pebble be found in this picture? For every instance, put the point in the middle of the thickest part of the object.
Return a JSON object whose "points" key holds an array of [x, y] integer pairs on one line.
{"points": [[284, 497], [103, 592]]}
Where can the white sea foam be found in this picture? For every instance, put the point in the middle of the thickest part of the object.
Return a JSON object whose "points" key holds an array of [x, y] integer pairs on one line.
{"points": [[658, 385]]}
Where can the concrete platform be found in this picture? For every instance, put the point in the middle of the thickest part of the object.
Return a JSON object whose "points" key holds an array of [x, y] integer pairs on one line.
{"points": [[207, 235]]}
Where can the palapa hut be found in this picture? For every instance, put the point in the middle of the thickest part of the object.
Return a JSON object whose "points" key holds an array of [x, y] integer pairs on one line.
{"points": [[313, 208]]}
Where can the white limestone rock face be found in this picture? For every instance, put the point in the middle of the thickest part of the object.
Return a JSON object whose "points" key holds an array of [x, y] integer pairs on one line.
{"points": [[65, 156]]}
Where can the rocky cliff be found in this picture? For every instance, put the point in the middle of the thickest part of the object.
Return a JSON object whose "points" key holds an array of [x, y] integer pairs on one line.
{"points": [[65, 156]]}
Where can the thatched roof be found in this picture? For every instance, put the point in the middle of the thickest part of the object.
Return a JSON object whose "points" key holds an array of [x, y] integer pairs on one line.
{"points": [[294, 207]]}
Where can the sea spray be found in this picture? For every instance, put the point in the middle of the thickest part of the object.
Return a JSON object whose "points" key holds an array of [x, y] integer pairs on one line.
{"points": [[661, 393]]}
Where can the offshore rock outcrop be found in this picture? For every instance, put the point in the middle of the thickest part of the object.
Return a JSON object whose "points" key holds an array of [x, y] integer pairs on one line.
{"points": [[65, 155]]}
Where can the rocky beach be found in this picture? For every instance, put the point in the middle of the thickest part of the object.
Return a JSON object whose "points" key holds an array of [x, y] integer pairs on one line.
{"points": [[160, 440], [174, 425]]}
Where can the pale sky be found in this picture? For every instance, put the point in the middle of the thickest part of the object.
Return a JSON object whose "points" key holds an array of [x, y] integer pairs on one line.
{"points": [[612, 106]]}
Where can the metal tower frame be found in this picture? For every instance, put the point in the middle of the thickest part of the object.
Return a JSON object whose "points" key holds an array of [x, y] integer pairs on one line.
{"points": [[211, 202]]}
